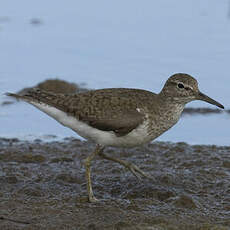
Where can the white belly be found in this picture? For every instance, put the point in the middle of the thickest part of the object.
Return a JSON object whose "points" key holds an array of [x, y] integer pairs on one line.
{"points": [[106, 138]]}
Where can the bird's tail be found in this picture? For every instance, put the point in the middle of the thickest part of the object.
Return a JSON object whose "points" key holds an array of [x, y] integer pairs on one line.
{"points": [[34, 94], [37, 96], [17, 96]]}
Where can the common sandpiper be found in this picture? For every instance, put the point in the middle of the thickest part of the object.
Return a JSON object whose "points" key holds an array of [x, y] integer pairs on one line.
{"points": [[119, 117]]}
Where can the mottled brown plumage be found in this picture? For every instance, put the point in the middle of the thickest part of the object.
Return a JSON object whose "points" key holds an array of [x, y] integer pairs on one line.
{"points": [[119, 116], [103, 109]]}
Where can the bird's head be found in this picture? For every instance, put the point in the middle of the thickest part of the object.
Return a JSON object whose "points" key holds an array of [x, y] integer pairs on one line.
{"points": [[183, 88]]}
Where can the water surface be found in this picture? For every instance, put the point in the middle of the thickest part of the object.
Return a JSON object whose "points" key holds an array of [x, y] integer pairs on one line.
{"points": [[115, 44]]}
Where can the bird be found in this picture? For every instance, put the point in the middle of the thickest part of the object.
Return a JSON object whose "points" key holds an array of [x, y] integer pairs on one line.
{"points": [[119, 117]]}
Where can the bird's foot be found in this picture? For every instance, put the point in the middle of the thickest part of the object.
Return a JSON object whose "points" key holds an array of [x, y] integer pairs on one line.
{"points": [[136, 171], [92, 198]]}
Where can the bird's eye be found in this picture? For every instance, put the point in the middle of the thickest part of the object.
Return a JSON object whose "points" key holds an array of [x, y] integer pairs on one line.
{"points": [[180, 85]]}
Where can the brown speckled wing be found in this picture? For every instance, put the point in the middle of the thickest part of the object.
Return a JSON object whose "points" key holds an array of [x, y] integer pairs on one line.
{"points": [[107, 109]]}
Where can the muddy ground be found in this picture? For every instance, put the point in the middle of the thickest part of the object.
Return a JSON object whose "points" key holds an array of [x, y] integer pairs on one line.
{"points": [[42, 186]]}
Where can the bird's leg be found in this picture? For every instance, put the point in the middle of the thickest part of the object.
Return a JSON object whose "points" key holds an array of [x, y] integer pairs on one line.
{"points": [[87, 168], [136, 171]]}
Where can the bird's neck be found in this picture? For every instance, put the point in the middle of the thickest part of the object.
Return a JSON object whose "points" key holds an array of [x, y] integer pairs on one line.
{"points": [[171, 106]]}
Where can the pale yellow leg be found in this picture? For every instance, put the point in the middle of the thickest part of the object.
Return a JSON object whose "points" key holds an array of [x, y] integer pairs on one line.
{"points": [[136, 171], [87, 168]]}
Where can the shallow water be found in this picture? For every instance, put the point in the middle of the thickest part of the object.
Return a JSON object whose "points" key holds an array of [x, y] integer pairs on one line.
{"points": [[115, 44]]}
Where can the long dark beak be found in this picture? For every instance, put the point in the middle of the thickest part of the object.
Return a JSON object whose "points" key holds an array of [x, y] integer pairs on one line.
{"points": [[204, 97]]}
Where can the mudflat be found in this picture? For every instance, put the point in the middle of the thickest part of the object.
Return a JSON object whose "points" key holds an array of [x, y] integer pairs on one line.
{"points": [[43, 186]]}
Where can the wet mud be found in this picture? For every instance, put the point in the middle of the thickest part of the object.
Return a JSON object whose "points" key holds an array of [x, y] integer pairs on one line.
{"points": [[42, 186]]}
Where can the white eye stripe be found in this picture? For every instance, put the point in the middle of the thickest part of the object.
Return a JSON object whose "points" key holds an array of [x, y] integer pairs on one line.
{"points": [[188, 88]]}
